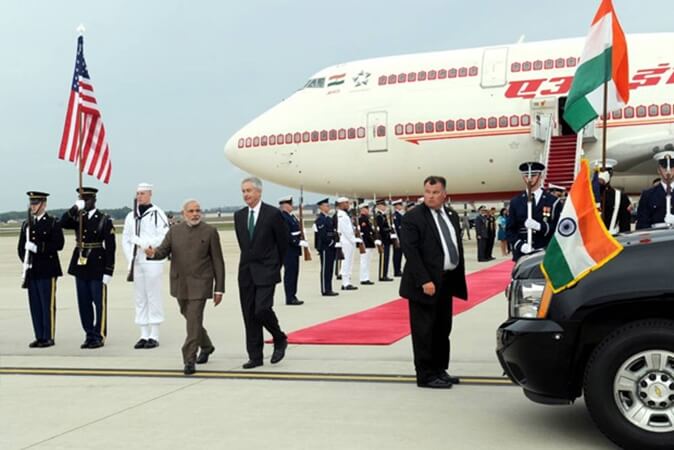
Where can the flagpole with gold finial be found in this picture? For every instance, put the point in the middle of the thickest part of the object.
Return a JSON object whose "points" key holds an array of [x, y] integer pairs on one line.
{"points": [[80, 165]]}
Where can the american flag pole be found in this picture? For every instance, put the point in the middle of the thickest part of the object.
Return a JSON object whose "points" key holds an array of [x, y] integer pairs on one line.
{"points": [[80, 165]]}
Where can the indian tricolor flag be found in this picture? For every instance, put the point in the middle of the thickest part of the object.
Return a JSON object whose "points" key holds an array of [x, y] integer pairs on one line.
{"points": [[581, 242], [604, 60]]}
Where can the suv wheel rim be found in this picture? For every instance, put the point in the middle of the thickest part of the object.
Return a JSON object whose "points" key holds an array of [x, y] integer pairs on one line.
{"points": [[643, 389]]}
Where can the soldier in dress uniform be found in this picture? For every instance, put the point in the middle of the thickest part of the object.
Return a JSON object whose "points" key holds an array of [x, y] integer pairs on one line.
{"points": [[545, 213], [40, 241], [482, 234], [291, 262], [655, 206], [616, 219], [325, 245], [367, 235], [145, 227], [557, 191], [92, 264], [339, 254], [384, 239], [397, 251], [491, 228], [410, 206], [347, 240]]}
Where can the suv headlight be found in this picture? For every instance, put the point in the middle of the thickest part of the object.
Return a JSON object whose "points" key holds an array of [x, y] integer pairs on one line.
{"points": [[524, 297]]}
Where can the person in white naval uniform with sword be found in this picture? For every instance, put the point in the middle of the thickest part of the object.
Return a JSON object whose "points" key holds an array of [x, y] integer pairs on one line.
{"points": [[348, 240], [145, 227]]}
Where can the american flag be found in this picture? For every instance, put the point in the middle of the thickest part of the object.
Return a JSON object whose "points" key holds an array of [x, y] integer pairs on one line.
{"points": [[95, 150]]}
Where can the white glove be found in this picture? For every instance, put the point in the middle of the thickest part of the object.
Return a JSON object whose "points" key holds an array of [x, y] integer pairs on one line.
{"points": [[304, 244], [338, 245], [377, 242], [394, 236], [79, 204], [358, 241], [30, 247], [107, 279], [136, 240], [532, 224], [526, 248], [669, 219]]}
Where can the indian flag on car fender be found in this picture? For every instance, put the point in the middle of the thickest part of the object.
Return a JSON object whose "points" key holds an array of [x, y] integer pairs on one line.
{"points": [[581, 242], [604, 59]]}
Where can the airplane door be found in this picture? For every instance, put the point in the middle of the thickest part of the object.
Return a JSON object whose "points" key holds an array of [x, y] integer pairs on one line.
{"points": [[377, 140], [494, 67]]}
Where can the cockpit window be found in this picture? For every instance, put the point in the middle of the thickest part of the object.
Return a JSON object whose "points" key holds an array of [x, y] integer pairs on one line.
{"points": [[315, 83]]}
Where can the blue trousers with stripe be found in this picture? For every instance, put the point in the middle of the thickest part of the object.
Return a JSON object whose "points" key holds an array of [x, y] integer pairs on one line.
{"points": [[327, 266], [42, 302], [92, 300]]}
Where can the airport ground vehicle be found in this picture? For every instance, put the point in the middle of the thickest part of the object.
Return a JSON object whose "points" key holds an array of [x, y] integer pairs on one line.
{"points": [[610, 338]]}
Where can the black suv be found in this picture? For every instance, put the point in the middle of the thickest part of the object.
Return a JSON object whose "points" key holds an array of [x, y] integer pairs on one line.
{"points": [[609, 338]]}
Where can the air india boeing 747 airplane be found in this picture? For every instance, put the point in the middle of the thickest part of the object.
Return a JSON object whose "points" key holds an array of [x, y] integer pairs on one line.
{"points": [[378, 127]]}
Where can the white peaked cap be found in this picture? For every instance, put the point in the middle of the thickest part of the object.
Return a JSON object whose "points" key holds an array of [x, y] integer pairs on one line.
{"points": [[397, 201], [286, 199], [363, 205], [610, 163], [342, 200], [142, 187]]}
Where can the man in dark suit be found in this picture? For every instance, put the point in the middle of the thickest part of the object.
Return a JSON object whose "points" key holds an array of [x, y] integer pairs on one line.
{"points": [[654, 206], [40, 241], [397, 249], [197, 274], [291, 263], [434, 273], [92, 264], [263, 240], [482, 234]]}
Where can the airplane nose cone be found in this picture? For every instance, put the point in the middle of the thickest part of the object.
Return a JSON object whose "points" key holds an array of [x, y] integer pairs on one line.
{"points": [[231, 149]]}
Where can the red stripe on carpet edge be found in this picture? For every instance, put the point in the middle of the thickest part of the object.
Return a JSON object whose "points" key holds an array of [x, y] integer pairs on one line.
{"points": [[388, 323]]}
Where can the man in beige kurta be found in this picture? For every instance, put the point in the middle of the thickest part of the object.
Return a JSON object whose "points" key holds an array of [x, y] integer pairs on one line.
{"points": [[197, 274]]}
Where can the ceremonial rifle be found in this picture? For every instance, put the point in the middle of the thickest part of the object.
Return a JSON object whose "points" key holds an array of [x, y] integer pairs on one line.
{"points": [[27, 258], [357, 233], [530, 203], [396, 242], [136, 218], [307, 253], [375, 227]]}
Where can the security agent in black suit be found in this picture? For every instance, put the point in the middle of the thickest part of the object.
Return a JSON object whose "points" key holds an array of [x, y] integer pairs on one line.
{"points": [[545, 213], [385, 241], [614, 204], [397, 223], [434, 273], [654, 204], [92, 264], [291, 263], [40, 241], [263, 240], [325, 233], [482, 234]]}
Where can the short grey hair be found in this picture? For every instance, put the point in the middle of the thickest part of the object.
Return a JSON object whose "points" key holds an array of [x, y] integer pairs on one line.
{"points": [[255, 181], [187, 202]]}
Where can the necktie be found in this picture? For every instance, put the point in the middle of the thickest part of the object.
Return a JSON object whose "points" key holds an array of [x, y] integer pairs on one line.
{"points": [[451, 249], [251, 224]]}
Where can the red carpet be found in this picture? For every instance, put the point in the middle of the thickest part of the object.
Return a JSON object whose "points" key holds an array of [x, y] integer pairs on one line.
{"points": [[388, 323]]}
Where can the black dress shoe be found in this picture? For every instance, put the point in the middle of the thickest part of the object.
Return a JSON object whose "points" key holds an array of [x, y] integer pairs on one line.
{"points": [[386, 279], [189, 369], [330, 294], [435, 383], [140, 344], [152, 343], [85, 344], [366, 283], [279, 351], [203, 355], [338, 277], [96, 344], [447, 377], [252, 364], [34, 344], [47, 343], [349, 287], [295, 302], [398, 274]]}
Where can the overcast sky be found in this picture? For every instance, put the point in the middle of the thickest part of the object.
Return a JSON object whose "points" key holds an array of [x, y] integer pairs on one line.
{"points": [[175, 79]]}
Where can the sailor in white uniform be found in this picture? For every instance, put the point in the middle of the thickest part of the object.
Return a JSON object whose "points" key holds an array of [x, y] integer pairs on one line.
{"points": [[348, 241], [144, 227]]}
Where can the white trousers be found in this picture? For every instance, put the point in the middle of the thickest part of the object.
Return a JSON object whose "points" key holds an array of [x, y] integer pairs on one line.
{"points": [[147, 283], [365, 259], [347, 264]]}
